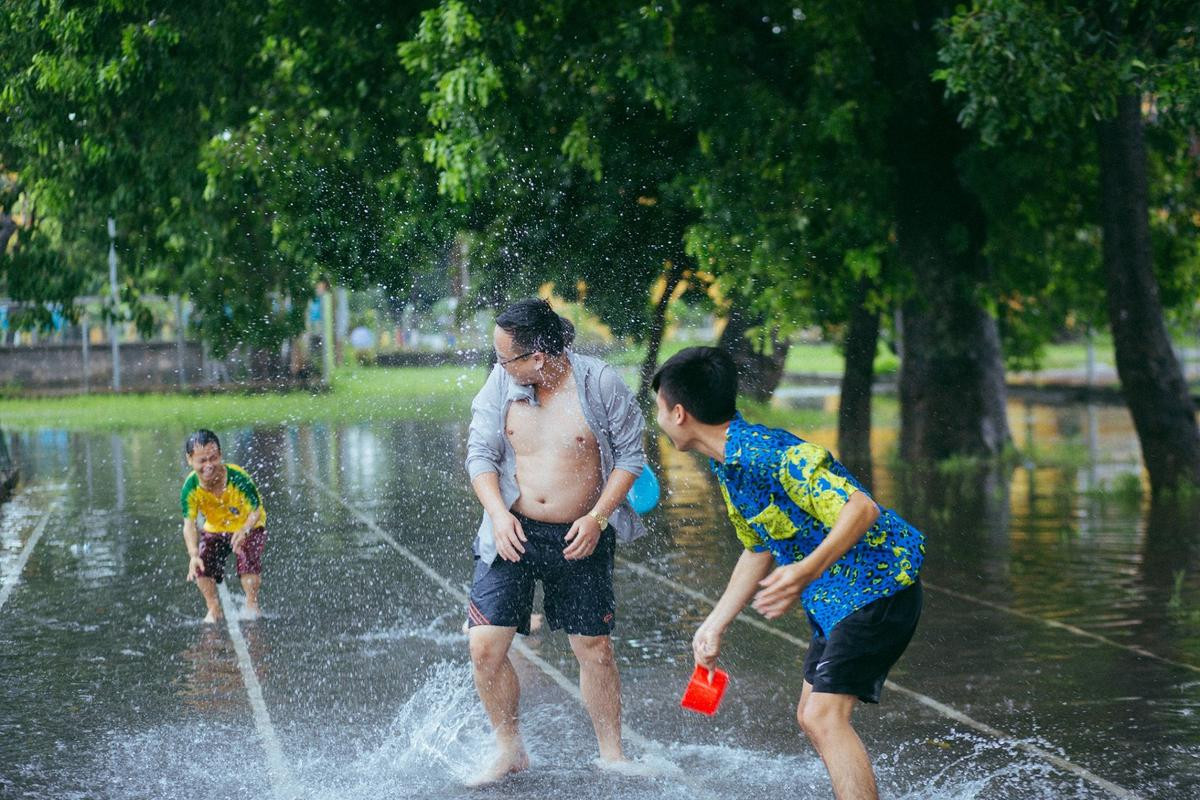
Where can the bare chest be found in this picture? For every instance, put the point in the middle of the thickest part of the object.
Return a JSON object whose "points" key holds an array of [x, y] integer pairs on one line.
{"points": [[555, 427]]}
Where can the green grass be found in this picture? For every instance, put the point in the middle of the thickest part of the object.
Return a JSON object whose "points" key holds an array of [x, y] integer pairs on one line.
{"points": [[792, 419], [825, 357], [1124, 489], [821, 357], [1073, 355], [358, 395], [885, 412]]}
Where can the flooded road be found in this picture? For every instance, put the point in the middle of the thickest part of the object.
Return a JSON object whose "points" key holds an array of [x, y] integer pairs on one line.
{"points": [[1058, 656]]}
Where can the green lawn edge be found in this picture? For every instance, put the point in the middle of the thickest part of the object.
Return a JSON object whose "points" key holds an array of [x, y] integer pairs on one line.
{"points": [[434, 394]]}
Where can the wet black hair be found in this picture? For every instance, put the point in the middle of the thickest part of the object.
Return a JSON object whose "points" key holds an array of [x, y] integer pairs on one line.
{"points": [[535, 327], [201, 438], [703, 380]]}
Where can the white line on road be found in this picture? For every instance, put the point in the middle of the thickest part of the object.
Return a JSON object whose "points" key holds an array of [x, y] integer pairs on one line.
{"points": [[925, 700], [282, 781], [1062, 626], [10, 580]]}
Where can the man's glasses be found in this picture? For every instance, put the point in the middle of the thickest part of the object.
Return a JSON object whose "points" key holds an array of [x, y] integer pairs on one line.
{"points": [[514, 358]]}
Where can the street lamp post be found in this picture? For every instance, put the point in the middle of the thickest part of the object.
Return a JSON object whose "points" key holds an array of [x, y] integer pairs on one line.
{"points": [[112, 323]]}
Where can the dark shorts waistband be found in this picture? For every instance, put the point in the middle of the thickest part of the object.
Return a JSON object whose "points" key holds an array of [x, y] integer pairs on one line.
{"points": [[541, 523]]}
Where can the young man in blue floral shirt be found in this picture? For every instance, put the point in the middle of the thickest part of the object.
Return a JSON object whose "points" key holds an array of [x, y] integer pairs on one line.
{"points": [[811, 533]]}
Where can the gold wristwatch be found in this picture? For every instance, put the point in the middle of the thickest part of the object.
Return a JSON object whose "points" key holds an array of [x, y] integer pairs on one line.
{"points": [[601, 520]]}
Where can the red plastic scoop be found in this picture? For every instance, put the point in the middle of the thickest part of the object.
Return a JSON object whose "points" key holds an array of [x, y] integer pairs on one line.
{"points": [[703, 696]]}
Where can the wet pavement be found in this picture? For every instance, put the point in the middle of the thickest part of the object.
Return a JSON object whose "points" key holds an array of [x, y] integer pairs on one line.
{"points": [[1058, 656]]}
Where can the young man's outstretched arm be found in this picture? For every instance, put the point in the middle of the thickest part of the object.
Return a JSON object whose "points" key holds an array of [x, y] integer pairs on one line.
{"points": [[751, 568]]}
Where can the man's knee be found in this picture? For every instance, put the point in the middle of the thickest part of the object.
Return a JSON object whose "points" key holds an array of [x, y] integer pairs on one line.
{"points": [[820, 720], [488, 652], [593, 650]]}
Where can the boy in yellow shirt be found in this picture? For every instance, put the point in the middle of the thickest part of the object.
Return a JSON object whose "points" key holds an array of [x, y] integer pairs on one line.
{"points": [[234, 519]]}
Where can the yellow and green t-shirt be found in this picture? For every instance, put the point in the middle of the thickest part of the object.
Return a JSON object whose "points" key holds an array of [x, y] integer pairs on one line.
{"points": [[227, 512]]}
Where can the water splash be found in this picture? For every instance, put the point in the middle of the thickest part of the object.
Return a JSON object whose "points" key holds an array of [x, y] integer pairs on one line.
{"points": [[437, 741]]}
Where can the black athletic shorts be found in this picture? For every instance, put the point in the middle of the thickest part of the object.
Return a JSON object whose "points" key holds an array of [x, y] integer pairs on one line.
{"points": [[578, 595], [857, 655]]}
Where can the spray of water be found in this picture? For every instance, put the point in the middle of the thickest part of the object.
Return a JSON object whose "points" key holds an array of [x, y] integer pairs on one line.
{"points": [[436, 741]]}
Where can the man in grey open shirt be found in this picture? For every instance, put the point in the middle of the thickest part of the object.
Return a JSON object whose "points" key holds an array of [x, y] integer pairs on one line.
{"points": [[554, 447]]}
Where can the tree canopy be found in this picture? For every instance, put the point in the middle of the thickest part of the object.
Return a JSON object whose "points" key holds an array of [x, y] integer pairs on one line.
{"points": [[898, 170]]}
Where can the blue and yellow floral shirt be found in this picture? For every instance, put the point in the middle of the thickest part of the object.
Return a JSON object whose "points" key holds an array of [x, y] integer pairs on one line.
{"points": [[784, 494]]}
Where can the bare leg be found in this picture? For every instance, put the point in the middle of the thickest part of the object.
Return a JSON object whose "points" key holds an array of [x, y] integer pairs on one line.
{"points": [[250, 584], [826, 720], [600, 685], [498, 687], [805, 693], [208, 588]]}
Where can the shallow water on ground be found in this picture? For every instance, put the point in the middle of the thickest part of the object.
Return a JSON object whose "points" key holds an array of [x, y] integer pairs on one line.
{"points": [[1059, 652]]}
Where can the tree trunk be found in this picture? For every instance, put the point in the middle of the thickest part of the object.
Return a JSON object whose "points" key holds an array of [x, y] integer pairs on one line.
{"points": [[854, 404], [759, 372], [1152, 382], [952, 390], [658, 323]]}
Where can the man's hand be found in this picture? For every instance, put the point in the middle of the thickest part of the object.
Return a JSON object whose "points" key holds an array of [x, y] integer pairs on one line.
{"points": [[781, 589], [250, 524], [509, 535], [706, 646], [195, 567], [583, 537]]}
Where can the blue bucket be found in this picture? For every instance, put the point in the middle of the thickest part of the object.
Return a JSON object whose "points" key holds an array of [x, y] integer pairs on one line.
{"points": [[645, 492]]}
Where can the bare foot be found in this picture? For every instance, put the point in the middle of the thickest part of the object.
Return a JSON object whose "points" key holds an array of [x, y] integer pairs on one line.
{"points": [[508, 762], [213, 616]]}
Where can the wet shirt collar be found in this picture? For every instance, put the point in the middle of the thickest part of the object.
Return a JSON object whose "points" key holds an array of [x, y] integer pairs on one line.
{"points": [[518, 392]]}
